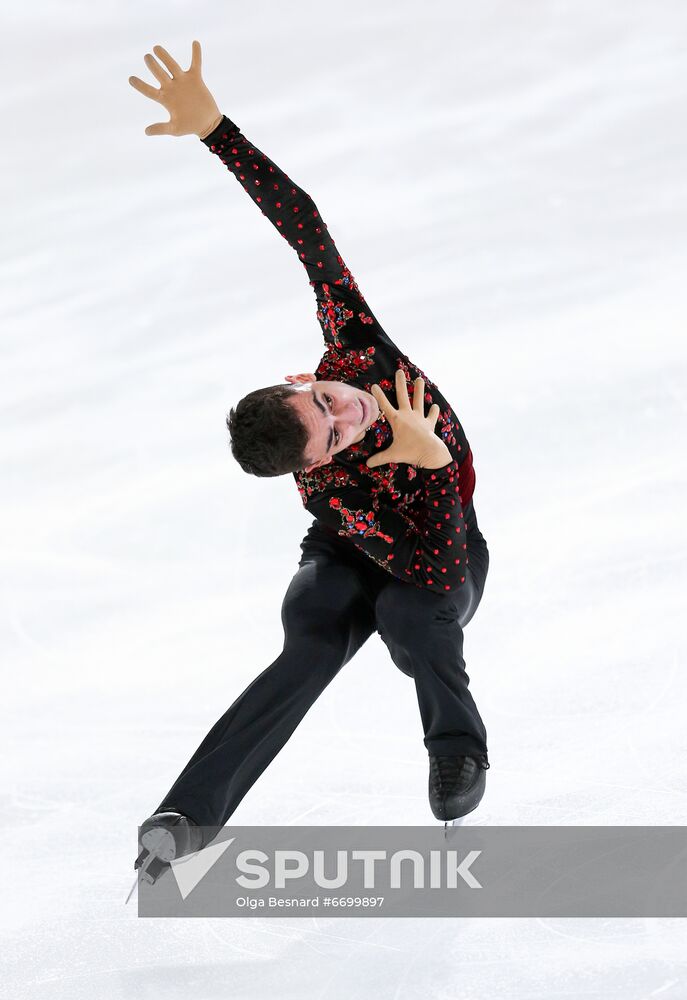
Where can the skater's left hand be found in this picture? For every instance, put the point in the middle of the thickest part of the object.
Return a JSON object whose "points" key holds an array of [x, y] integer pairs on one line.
{"points": [[414, 440], [191, 106]]}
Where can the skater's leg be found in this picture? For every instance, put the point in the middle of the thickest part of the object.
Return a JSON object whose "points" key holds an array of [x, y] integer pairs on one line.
{"points": [[423, 631], [327, 614]]}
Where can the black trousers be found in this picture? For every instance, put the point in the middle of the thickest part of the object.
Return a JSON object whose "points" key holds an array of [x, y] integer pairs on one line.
{"points": [[336, 600]]}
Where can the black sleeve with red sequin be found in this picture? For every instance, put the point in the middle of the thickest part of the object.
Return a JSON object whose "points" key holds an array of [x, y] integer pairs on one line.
{"points": [[431, 554], [344, 315]]}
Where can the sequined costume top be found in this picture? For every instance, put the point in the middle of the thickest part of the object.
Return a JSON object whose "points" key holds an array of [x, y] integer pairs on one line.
{"points": [[408, 520]]}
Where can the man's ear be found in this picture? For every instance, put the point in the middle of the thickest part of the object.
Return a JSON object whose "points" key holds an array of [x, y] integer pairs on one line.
{"points": [[303, 377], [316, 465]]}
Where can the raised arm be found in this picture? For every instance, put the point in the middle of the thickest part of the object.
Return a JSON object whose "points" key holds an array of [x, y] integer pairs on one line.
{"points": [[344, 316], [346, 320], [289, 208]]}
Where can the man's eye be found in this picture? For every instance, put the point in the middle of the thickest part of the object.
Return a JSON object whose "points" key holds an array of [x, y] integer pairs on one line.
{"points": [[337, 436]]}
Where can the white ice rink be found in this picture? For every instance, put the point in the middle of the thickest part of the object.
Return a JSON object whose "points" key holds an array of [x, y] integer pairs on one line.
{"points": [[506, 182]]}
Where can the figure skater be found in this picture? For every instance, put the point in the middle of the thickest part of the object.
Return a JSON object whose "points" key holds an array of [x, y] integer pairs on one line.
{"points": [[394, 546]]}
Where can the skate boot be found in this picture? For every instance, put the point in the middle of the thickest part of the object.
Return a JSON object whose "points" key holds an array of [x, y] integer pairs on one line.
{"points": [[456, 785], [165, 836]]}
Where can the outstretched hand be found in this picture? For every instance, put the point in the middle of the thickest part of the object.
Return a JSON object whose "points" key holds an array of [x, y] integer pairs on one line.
{"points": [[191, 106], [414, 440]]}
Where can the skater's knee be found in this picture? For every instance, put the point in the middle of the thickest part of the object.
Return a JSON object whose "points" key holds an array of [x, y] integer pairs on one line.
{"points": [[403, 610], [324, 627], [314, 658]]}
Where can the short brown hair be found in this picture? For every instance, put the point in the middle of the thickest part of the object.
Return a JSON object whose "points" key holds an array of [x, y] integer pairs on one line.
{"points": [[268, 438]]}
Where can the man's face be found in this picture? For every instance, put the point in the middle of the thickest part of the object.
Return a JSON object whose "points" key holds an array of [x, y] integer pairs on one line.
{"points": [[336, 415]]}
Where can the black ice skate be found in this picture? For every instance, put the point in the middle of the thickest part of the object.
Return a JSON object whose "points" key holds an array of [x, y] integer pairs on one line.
{"points": [[456, 785], [164, 836]]}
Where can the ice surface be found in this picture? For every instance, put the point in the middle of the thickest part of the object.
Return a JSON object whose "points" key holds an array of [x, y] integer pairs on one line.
{"points": [[507, 184]]}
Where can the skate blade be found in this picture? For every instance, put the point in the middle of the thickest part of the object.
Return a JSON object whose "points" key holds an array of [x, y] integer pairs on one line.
{"points": [[158, 850], [143, 862], [451, 824], [131, 891]]}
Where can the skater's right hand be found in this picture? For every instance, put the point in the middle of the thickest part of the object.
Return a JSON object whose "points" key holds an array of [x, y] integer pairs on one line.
{"points": [[414, 440], [191, 106]]}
